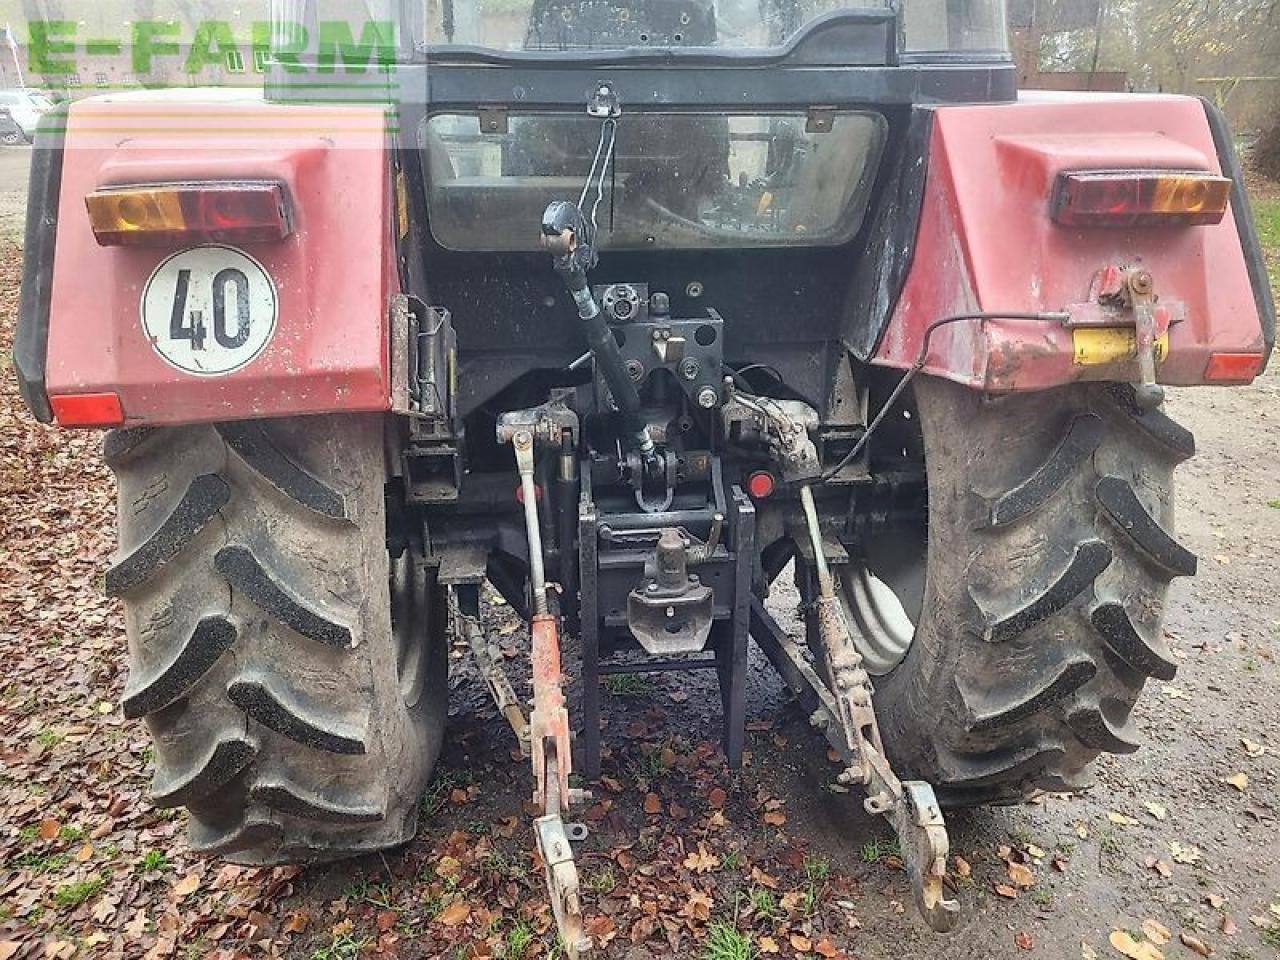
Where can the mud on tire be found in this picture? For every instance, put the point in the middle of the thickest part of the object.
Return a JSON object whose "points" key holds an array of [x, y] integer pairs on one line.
{"points": [[1050, 553], [293, 676]]}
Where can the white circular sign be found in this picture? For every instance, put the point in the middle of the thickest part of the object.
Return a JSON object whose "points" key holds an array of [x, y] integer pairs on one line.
{"points": [[209, 310]]}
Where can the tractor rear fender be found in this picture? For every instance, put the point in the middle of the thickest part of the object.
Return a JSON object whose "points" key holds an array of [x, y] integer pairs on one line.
{"points": [[988, 242], [320, 304]]}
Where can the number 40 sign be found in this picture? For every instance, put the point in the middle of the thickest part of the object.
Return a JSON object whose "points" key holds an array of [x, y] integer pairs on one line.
{"points": [[209, 311]]}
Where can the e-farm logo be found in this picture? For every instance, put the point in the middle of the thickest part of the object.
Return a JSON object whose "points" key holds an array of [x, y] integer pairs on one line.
{"points": [[159, 47]]}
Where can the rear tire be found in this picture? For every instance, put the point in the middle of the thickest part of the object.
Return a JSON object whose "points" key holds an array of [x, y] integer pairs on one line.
{"points": [[293, 676], [1049, 557]]}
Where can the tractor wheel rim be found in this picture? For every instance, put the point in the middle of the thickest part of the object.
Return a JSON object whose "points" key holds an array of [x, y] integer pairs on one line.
{"points": [[882, 629], [408, 626]]}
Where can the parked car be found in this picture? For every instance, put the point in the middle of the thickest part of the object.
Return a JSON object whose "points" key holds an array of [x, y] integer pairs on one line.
{"points": [[25, 107], [10, 133]]}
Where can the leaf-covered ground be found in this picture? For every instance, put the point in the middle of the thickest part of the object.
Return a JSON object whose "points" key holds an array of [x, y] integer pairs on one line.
{"points": [[1173, 854]]}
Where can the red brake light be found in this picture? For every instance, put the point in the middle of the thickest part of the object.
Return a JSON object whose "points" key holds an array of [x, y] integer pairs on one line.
{"points": [[88, 410], [1140, 198], [185, 212]]}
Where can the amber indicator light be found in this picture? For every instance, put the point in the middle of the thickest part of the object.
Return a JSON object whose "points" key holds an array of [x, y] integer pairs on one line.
{"points": [[1140, 198], [213, 212]]}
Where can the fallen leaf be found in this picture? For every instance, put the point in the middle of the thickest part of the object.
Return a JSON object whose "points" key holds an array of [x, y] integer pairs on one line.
{"points": [[1215, 901], [768, 945], [1228, 926], [1183, 853], [1060, 865], [775, 818], [963, 869], [697, 907], [1082, 831], [762, 878], [84, 853], [1124, 943], [49, 829], [1195, 944], [1157, 810], [1024, 940], [1159, 866], [825, 948], [652, 804], [186, 886], [296, 922], [716, 798], [1035, 852], [1021, 875], [1238, 780], [1087, 952], [1006, 891], [137, 926], [1254, 750], [9, 948], [1156, 932], [447, 867], [1121, 819], [800, 943], [791, 901], [701, 860], [1173, 693], [387, 920], [455, 913]]}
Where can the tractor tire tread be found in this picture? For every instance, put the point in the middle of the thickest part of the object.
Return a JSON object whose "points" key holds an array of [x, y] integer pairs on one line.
{"points": [[263, 652], [1041, 618]]}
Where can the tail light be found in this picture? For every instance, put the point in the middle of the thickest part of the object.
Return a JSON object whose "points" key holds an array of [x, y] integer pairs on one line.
{"points": [[1140, 198], [183, 212], [1233, 367], [87, 410]]}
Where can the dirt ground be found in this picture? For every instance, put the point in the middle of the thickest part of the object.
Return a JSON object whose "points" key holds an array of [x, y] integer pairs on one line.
{"points": [[1177, 841]]}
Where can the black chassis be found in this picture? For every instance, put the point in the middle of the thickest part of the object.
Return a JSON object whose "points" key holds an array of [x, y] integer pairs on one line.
{"points": [[809, 318]]}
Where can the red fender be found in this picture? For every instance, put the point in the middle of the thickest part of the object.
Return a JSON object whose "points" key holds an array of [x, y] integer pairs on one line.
{"points": [[987, 242], [335, 276]]}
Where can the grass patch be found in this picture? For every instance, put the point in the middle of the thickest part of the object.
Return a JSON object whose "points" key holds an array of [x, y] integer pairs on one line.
{"points": [[50, 738], [1110, 842], [153, 860], [629, 685], [873, 851], [1266, 211], [41, 863], [364, 891], [518, 939], [344, 947], [602, 881], [74, 894], [647, 768], [727, 942], [731, 860], [437, 796], [763, 903]]}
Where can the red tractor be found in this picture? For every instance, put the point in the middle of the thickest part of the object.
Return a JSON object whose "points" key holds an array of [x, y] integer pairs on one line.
{"points": [[627, 307]]}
